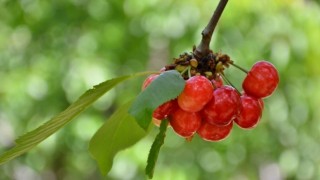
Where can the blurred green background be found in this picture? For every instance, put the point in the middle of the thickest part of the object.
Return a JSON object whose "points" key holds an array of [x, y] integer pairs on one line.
{"points": [[52, 51]]}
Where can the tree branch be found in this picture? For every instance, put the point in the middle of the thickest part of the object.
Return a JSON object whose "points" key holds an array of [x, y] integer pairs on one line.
{"points": [[203, 48]]}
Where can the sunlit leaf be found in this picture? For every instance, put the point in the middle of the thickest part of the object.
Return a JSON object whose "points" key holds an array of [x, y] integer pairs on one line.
{"points": [[32, 138], [165, 87], [120, 131]]}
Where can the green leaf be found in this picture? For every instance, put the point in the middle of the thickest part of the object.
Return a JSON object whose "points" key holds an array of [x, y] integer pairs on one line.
{"points": [[32, 138], [119, 132], [155, 149], [166, 86]]}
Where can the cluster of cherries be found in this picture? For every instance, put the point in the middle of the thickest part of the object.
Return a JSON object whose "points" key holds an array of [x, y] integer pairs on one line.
{"points": [[208, 107]]}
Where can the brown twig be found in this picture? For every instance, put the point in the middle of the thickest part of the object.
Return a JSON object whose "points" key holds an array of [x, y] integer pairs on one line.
{"points": [[203, 48]]}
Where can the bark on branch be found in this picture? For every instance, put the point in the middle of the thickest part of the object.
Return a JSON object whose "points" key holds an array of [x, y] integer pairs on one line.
{"points": [[203, 48]]}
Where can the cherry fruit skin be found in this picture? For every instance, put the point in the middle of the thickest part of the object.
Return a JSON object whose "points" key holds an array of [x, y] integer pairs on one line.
{"points": [[185, 123], [261, 80], [196, 94], [163, 110], [223, 108], [211, 132], [217, 82], [250, 112], [148, 80]]}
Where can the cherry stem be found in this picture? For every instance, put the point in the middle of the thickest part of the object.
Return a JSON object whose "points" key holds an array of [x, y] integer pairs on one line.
{"points": [[185, 70], [242, 69], [203, 48], [229, 82]]}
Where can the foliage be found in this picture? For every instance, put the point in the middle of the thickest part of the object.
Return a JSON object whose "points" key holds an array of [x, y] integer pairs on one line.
{"points": [[33, 138], [119, 132], [52, 52], [165, 87], [123, 130]]}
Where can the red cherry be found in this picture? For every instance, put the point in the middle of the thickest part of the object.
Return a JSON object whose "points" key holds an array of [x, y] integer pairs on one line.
{"points": [[210, 132], [148, 80], [162, 111], [261, 80], [223, 107], [185, 123], [250, 112], [217, 82], [261, 102], [196, 94]]}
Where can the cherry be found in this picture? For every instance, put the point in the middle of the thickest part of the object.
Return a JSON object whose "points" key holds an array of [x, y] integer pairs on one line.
{"points": [[185, 123], [261, 80], [148, 80], [162, 111], [217, 82], [261, 102], [223, 107], [211, 132], [250, 112], [196, 94]]}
